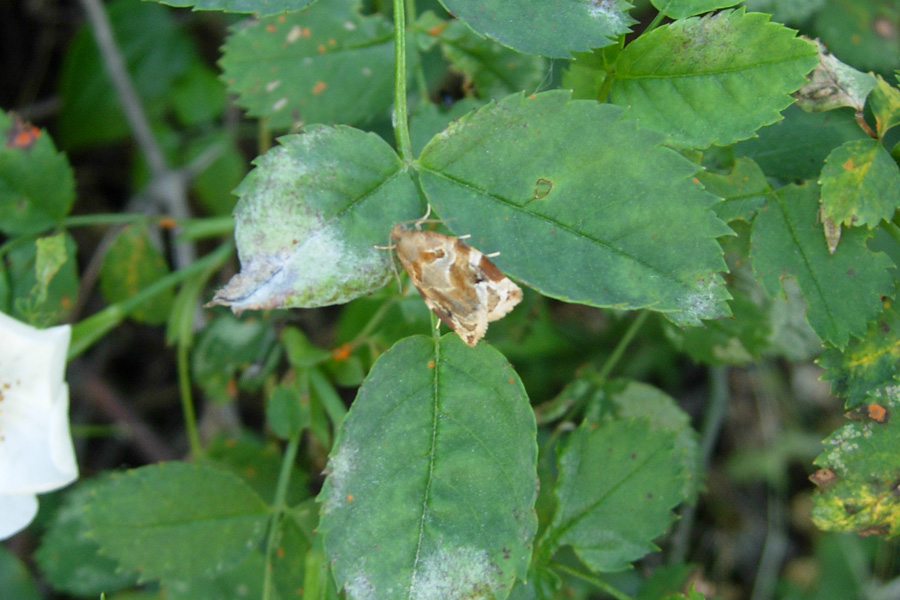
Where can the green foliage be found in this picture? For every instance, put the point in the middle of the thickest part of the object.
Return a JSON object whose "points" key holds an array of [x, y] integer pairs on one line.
{"points": [[618, 168]]}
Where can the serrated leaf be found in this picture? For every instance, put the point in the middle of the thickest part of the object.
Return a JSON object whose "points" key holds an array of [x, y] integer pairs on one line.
{"points": [[430, 119], [860, 184], [795, 147], [327, 64], [617, 486], [743, 190], [714, 79], [262, 8], [133, 262], [496, 71], [176, 520], [833, 84], [862, 34], [867, 364], [842, 290], [860, 492], [435, 468], [309, 217], [885, 103], [68, 556], [679, 9], [156, 53], [554, 29], [37, 186], [793, 12], [598, 223]]}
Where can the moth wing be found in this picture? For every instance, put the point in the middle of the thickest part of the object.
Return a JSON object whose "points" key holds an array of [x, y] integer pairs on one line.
{"points": [[468, 320]]}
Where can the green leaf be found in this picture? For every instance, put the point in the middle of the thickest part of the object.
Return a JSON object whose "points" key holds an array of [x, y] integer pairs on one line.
{"points": [[227, 346], [842, 290], [432, 482], [156, 53], [582, 204], [885, 103], [496, 71], [133, 262], [867, 364], [47, 303], [287, 412], [744, 189], [679, 9], [327, 64], [68, 555], [15, 582], [862, 34], [51, 256], [176, 520], [832, 84], [796, 147], [37, 186], [858, 490], [860, 184], [309, 217], [262, 8], [793, 12], [213, 186], [712, 80], [198, 97], [617, 486], [554, 29], [430, 119], [242, 581]]}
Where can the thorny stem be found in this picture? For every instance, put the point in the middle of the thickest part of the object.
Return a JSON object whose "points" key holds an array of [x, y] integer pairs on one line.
{"points": [[401, 113]]}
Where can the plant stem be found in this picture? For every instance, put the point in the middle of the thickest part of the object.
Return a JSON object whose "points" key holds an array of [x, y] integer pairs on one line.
{"points": [[401, 114], [91, 329], [892, 229], [187, 399], [621, 346], [279, 508], [595, 581]]}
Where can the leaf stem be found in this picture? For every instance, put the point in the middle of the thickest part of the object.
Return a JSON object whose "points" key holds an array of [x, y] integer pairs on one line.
{"points": [[595, 581], [654, 23], [622, 345], [279, 508], [401, 113]]}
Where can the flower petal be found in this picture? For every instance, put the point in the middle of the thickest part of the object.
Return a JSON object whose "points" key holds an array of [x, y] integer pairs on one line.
{"points": [[16, 512]]}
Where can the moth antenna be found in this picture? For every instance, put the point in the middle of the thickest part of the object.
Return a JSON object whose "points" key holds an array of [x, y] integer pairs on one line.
{"points": [[492, 255], [464, 237]]}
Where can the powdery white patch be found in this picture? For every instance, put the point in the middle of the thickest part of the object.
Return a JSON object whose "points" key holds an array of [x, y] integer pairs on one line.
{"points": [[455, 573], [350, 26], [340, 467], [367, 72], [273, 85], [609, 12], [279, 104], [701, 303]]}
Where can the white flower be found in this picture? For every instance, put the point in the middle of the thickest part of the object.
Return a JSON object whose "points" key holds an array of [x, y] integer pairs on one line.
{"points": [[36, 453]]}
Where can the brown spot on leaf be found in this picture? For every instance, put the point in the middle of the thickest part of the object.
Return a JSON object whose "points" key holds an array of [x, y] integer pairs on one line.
{"points": [[319, 87], [21, 134], [823, 478], [848, 164]]}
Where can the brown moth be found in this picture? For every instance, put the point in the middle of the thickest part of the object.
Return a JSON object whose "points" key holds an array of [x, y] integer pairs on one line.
{"points": [[458, 283]]}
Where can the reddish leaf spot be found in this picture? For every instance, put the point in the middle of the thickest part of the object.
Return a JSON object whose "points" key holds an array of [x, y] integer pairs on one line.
{"points": [[877, 413], [848, 164], [436, 30], [430, 364], [280, 552], [281, 18], [332, 42], [823, 478], [321, 48], [305, 32], [349, 497], [271, 28], [21, 134], [512, 380], [319, 87]]}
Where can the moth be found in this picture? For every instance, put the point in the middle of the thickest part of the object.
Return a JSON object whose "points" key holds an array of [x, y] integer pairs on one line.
{"points": [[458, 283]]}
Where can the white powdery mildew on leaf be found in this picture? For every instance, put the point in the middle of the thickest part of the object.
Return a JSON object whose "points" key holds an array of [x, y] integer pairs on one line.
{"points": [[609, 11], [453, 574], [702, 303], [358, 587], [340, 467]]}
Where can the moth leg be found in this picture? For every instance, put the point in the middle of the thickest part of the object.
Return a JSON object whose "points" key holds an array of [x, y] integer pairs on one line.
{"points": [[423, 219], [492, 255], [392, 246], [464, 237]]}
